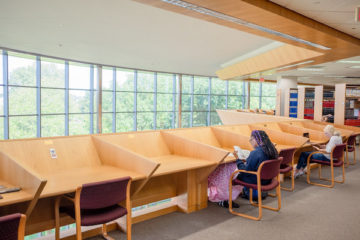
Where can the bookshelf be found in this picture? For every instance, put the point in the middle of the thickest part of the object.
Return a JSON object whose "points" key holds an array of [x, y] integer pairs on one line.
{"points": [[293, 102], [324, 102], [347, 104]]}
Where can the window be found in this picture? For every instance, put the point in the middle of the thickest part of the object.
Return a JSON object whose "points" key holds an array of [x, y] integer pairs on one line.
{"points": [[218, 99], [254, 95], [22, 95], [80, 98], [50, 97], [268, 96], [125, 100]]}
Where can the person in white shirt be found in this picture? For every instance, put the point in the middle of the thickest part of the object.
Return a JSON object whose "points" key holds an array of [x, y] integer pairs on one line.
{"points": [[325, 150]]}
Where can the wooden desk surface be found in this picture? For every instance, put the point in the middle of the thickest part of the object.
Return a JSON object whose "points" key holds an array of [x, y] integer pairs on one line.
{"points": [[14, 197], [68, 181], [175, 163]]}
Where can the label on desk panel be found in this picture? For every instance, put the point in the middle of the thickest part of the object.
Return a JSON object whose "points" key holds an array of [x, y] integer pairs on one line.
{"points": [[53, 153]]}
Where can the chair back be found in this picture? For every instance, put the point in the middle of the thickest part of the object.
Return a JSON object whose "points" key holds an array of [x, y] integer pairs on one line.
{"points": [[351, 140], [287, 155], [103, 194], [270, 168], [338, 151], [9, 226]]}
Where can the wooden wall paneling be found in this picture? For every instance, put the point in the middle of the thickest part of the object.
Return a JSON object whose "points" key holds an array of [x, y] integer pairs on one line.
{"points": [[301, 102], [340, 93], [318, 103]]}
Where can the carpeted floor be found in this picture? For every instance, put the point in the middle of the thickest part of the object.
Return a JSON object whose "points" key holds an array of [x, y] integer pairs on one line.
{"points": [[310, 212]]}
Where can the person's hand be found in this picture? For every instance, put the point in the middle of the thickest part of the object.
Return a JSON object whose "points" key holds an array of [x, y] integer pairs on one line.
{"points": [[235, 154], [316, 148]]}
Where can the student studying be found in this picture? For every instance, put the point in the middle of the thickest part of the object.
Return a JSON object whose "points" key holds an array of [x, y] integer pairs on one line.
{"points": [[335, 139], [264, 149]]}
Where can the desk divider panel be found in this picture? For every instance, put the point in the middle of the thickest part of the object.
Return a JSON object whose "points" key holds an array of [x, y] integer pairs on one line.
{"points": [[230, 137], [282, 138], [188, 146], [12, 174], [71, 152], [196, 187], [117, 156], [346, 127], [313, 134], [311, 125]]}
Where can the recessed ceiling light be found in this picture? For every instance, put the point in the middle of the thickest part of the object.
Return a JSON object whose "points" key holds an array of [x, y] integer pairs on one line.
{"points": [[228, 18], [331, 76], [311, 69], [293, 65], [354, 67], [349, 61]]}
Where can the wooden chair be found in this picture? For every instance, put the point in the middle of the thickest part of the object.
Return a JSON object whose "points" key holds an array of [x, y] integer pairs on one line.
{"points": [[268, 170], [350, 147], [336, 160], [97, 203], [12, 227], [287, 166]]}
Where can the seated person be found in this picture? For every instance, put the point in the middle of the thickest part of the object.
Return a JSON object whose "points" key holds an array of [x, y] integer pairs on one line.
{"points": [[325, 150], [218, 181], [327, 118], [264, 150]]}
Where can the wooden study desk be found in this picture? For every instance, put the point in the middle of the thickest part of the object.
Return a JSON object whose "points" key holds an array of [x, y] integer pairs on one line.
{"points": [[173, 163], [14, 197], [67, 181], [163, 164]]}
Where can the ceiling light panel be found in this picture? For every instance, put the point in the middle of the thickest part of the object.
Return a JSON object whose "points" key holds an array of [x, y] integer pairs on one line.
{"points": [[349, 61], [228, 18]]}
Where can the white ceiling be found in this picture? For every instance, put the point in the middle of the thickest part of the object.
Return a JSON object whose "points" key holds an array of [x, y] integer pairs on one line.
{"points": [[339, 14], [332, 72], [121, 33]]}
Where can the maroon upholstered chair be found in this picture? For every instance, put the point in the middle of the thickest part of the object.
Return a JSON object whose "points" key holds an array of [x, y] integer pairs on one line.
{"points": [[268, 170], [12, 227], [336, 160], [97, 203], [287, 165], [350, 147]]}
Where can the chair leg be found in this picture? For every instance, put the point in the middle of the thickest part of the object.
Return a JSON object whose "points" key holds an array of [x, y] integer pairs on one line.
{"points": [[78, 222], [57, 218], [308, 172], [292, 183], [347, 156], [128, 225], [278, 195], [105, 234], [237, 213], [354, 161]]}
